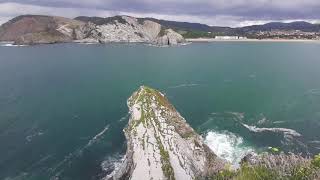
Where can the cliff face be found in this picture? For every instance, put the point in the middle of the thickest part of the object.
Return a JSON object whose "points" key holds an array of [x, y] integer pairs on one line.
{"points": [[169, 37], [126, 29], [35, 29], [120, 29], [160, 143]]}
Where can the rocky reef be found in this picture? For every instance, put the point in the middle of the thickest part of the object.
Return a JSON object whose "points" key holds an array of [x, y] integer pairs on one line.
{"points": [[36, 29], [162, 145]]}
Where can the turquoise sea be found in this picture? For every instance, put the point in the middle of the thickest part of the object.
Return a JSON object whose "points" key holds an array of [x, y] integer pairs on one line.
{"points": [[63, 106]]}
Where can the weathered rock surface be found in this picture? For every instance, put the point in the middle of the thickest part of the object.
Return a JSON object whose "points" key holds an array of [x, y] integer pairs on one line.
{"points": [[169, 38], [284, 165], [36, 29], [160, 143], [120, 29]]}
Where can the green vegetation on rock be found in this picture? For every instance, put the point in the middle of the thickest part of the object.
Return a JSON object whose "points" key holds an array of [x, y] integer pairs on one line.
{"points": [[316, 161], [309, 171]]}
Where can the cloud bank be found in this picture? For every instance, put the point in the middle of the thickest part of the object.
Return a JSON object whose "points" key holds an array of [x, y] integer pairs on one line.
{"points": [[213, 12]]}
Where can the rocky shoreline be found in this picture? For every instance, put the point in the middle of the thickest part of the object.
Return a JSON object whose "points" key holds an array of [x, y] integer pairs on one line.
{"points": [[37, 29], [162, 145]]}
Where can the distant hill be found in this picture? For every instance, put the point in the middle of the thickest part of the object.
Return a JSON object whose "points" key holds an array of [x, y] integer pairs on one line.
{"points": [[38, 29], [202, 30], [100, 20], [180, 25], [30, 29]]}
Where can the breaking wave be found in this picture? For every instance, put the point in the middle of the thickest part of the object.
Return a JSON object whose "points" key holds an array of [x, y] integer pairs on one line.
{"points": [[111, 164], [11, 45], [228, 146], [285, 131]]}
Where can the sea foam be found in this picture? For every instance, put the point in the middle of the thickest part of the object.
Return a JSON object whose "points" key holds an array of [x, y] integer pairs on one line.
{"points": [[11, 45], [228, 146]]}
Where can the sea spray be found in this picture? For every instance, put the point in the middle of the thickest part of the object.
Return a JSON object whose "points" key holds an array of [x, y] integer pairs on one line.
{"points": [[228, 146]]}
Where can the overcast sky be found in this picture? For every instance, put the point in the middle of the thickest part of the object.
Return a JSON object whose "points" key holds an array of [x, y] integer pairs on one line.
{"points": [[213, 12]]}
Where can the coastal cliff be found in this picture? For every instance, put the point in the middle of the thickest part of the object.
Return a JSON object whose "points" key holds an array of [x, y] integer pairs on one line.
{"points": [[37, 29], [162, 145]]}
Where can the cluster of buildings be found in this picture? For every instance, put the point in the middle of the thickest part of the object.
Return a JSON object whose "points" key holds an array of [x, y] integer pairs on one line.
{"points": [[229, 38], [286, 34]]}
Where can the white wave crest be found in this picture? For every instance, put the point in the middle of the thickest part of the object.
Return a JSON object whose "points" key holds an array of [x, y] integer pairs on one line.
{"points": [[97, 136], [111, 165], [313, 91], [228, 146], [12, 45], [183, 85], [285, 131]]}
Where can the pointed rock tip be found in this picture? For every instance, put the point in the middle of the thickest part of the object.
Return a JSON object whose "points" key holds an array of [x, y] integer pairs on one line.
{"points": [[146, 93]]}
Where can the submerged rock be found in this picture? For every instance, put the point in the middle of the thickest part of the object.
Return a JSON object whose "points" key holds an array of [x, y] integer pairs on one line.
{"points": [[161, 144]]}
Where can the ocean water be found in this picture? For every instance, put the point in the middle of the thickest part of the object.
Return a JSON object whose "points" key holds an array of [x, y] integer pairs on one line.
{"points": [[63, 106]]}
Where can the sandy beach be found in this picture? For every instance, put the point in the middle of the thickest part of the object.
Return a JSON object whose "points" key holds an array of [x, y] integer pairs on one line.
{"points": [[250, 40]]}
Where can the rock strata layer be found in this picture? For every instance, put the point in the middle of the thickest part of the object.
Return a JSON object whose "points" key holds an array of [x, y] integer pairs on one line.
{"points": [[36, 29], [161, 144]]}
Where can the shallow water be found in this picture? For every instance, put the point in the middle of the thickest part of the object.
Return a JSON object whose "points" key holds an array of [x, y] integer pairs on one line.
{"points": [[63, 107]]}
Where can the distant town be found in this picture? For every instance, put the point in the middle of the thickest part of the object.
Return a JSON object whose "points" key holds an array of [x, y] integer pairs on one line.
{"points": [[285, 34], [274, 34]]}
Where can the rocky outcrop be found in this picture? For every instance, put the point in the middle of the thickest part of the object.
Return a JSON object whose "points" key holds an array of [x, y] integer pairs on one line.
{"points": [[168, 38], [160, 143], [120, 29], [127, 29], [285, 166], [34, 29]]}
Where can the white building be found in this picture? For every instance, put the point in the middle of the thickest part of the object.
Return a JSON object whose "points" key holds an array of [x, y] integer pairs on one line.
{"points": [[229, 37]]}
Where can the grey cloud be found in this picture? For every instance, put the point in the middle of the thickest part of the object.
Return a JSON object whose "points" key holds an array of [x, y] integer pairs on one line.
{"points": [[238, 9], [246, 8]]}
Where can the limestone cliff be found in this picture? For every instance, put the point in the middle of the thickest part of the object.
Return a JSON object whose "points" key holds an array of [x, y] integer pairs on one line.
{"points": [[160, 143], [117, 29], [126, 29], [169, 37], [37, 29]]}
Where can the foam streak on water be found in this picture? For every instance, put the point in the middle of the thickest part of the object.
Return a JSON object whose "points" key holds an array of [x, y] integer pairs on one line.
{"points": [[97, 136], [285, 131], [228, 146], [11, 45], [183, 85]]}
